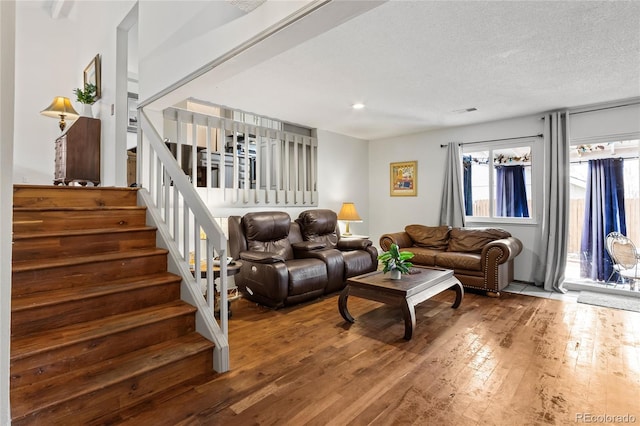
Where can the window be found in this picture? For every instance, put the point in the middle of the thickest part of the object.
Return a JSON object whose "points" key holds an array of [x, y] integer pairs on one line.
{"points": [[498, 181]]}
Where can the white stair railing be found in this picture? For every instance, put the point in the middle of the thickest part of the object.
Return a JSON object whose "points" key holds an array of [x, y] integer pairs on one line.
{"points": [[182, 218], [238, 164]]}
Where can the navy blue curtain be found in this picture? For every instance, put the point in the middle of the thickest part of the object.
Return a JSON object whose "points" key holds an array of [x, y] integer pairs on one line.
{"points": [[468, 197], [511, 192], [603, 213]]}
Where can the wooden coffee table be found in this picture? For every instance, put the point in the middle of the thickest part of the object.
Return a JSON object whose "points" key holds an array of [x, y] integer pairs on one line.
{"points": [[416, 287]]}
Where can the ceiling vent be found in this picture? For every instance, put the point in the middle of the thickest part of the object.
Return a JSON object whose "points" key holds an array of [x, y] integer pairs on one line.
{"points": [[464, 111]]}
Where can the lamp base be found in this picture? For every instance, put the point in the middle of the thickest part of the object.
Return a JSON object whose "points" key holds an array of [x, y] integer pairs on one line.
{"points": [[347, 233]]}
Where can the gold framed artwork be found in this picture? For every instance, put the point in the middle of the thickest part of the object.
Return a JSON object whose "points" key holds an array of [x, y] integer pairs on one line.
{"points": [[404, 179], [92, 75]]}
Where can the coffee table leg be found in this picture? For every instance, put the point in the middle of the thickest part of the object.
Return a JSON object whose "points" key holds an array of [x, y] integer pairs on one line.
{"points": [[409, 314], [459, 295], [342, 305]]}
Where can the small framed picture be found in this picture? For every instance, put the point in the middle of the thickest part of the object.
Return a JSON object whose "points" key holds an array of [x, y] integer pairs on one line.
{"points": [[92, 75], [132, 112], [404, 179]]}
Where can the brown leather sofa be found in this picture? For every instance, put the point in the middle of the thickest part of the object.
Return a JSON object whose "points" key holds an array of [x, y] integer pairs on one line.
{"points": [[280, 267], [481, 258]]}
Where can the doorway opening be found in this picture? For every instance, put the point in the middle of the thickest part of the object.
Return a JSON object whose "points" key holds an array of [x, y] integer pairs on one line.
{"points": [[604, 198]]}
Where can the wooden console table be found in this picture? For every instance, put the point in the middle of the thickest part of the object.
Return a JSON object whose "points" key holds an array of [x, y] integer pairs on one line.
{"points": [[78, 153]]}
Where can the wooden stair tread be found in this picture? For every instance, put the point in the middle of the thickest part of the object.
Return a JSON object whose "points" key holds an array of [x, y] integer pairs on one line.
{"points": [[76, 209], [77, 232], [84, 381], [22, 347], [19, 186], [48, 298], [32, 265]]}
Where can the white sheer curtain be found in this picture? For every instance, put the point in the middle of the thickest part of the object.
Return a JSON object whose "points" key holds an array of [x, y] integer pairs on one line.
{"points": [[552, 241], [452, 206]]}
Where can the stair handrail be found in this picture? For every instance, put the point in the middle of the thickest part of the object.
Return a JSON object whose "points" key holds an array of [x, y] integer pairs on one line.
{"points": [[171, 202]]}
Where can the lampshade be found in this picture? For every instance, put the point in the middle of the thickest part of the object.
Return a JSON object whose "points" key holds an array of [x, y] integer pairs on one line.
{"points": [[349, 212], [60, 108]]}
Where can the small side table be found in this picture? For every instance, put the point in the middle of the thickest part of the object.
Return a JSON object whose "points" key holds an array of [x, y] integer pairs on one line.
{"points": [[232, 269]]}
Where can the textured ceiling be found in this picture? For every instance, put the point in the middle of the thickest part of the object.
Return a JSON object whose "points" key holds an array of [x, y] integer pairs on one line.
{"points": [[415, 64]]}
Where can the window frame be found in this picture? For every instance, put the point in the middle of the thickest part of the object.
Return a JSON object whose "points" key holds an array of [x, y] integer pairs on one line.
{"points": [[537, 167]]}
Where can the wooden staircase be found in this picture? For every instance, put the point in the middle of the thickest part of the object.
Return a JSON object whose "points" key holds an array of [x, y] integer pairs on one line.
{"points": [[97, 324]]}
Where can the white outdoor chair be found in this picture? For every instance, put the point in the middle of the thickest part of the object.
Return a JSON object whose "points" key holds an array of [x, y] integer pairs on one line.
{"points": [[615, 264], [626, 258]]}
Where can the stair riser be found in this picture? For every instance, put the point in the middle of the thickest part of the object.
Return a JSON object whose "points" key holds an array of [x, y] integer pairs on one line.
{"points": [[75, 245], [123, 394], [28, 282], [62, 360], [72, 196], [62, 220], [50, 317]]}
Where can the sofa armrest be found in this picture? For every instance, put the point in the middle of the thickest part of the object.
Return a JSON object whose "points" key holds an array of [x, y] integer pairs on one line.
{"points": [[501, 251], [306, 246], [261, 257], [402, 239], [498, 252], [353, 244]]}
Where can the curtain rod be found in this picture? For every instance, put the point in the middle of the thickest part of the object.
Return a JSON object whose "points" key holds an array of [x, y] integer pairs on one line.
{"points": [[603, 108], [496, 140], [630, 157]]}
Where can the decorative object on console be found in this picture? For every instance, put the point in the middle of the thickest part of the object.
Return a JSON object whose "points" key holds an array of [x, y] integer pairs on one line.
{"points": [[348, 213], [396, 262], [86, 97], [60, 108], [404, 179]]}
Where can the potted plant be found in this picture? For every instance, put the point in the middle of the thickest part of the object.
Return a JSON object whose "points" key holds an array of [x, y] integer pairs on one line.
{"points": [[396, 262], [86, 97]]}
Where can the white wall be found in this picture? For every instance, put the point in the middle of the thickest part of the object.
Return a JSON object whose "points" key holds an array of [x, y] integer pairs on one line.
{"points": [[392, 214], [593, 126], [51, 55], [7, 74], [343, 175]]}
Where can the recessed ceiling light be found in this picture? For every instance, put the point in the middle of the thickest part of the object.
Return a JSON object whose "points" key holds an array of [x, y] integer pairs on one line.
{"points": [[357, 106]]}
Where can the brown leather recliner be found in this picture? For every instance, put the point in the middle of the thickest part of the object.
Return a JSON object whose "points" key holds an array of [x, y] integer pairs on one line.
{"points": [[273, 273], [357, 256]]}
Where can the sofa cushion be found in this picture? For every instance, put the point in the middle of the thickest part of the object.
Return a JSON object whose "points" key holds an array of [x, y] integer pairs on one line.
{"points": [[356, 262], [319, 225], [460, 261], [268, 232], [432, 237], [473, 240], [306, 275], [423, 256]]}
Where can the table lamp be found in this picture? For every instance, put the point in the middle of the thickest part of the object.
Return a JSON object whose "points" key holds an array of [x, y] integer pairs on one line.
{"points": [[60, 107], [348, 213]]}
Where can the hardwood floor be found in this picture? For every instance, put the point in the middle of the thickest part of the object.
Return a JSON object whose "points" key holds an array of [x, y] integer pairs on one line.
{"points": [[512, 360]]}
